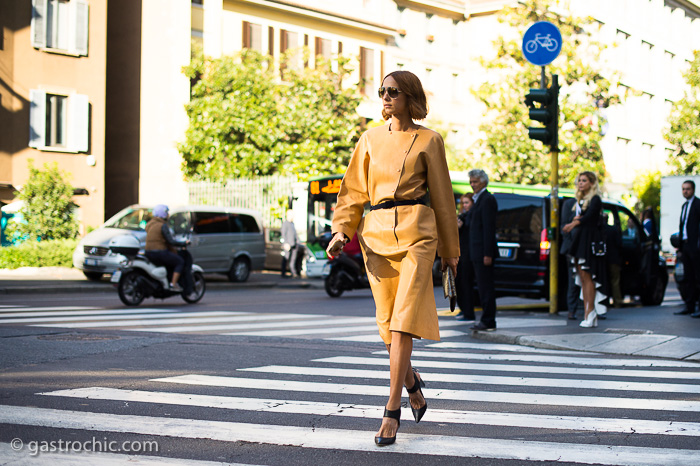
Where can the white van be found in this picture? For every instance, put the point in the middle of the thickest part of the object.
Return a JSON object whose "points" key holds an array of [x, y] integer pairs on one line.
{"points": [[224, 240]]}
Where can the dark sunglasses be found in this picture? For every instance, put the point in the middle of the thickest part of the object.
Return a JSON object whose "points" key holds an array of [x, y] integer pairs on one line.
{"points": [[393, 92]]}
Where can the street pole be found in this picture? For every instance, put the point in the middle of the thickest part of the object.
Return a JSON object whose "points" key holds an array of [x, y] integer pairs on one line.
{"points": [[554, 211]]}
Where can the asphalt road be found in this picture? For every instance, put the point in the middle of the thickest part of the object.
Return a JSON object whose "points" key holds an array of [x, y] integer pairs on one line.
{"points": [[268, 382]]}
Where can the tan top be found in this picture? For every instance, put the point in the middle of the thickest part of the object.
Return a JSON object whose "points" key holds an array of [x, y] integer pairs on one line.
{"points": [[155, 241], [396, 165]]}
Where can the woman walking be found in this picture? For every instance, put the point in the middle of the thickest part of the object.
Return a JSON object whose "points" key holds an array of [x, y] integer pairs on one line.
{"points": [[591, 268], [392, 168]]}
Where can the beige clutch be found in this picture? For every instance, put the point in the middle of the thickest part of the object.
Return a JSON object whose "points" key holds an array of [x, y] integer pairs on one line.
{"points": [[449, 287]]}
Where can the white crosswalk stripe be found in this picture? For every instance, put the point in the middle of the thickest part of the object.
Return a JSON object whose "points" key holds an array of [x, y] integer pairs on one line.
{"points": [[628, 405]]}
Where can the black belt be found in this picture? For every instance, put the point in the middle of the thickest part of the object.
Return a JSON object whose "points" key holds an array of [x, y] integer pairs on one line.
{"points": [[390, 204]]}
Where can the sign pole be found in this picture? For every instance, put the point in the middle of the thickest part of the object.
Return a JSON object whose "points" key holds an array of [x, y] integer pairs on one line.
{"points": [[554, 215]]}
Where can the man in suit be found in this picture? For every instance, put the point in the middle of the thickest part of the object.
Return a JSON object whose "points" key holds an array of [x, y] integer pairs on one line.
{"points": [[573, 291], [689, 233], [482, 246]]}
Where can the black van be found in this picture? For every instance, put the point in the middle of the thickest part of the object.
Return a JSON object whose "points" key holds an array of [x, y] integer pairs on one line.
{"points": [[522, 265]]}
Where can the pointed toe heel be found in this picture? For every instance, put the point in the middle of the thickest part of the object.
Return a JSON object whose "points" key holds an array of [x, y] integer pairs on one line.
{"points": [[417, 384], [395, 414]]}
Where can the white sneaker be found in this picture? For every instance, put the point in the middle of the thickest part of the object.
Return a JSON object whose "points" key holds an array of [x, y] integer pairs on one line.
{"points": [[175, 288]]}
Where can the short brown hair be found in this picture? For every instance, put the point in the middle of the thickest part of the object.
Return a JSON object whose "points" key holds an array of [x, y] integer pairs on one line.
{"points": [[415, 95], [467, 195]]}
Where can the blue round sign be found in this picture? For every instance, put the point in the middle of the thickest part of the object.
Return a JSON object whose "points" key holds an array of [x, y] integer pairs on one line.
{"points": [[541, 43]]}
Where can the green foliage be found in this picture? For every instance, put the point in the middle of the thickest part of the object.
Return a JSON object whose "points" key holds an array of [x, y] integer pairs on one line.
{"points": [[506, 150], [244, 121], [647, 189], [684, 130], [52, 253], [48, 210]]}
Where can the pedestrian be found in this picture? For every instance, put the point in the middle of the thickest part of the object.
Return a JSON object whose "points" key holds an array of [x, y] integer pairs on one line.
{"points": [[649, 224], [483, 247], [689, 233], [465, 268], [591, 267], [573, 291], [393, 167], [290, 244], [160, 245], [613, 254]]}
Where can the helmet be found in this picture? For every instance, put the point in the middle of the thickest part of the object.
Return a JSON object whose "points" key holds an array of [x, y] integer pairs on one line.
{"points": [[161, 210]]}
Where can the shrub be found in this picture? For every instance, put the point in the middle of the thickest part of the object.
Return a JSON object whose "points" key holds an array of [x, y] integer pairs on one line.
{"points": [[52, 253]]}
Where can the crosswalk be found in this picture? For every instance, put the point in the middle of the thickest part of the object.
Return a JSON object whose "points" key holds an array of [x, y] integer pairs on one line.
{"points": [[500, 402], [254, 324]]}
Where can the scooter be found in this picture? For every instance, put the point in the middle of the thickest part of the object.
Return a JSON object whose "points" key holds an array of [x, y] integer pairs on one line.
{"points": [[138, 278], [344, 273]]}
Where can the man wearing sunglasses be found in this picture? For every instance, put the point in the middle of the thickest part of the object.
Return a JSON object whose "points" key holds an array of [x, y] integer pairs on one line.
{"points": [[393, 168]]}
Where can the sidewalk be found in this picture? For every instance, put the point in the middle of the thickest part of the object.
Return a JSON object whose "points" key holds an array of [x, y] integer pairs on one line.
{"points": [[631, 330]]}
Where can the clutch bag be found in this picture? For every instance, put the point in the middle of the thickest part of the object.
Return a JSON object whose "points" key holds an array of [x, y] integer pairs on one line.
{"points": [[449, 287]]}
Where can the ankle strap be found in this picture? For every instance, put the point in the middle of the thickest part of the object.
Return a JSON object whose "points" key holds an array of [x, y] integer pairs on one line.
{"points": [[395, 414], [416, 385]]}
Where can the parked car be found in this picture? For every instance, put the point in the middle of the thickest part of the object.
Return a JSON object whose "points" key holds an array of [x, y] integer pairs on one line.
{"points": [[224, 240], [522, 265], [274, 252]]}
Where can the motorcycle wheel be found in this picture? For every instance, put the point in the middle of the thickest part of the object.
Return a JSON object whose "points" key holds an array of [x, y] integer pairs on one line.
{"points": [[199, 288], [333, 285], [130, 291]]}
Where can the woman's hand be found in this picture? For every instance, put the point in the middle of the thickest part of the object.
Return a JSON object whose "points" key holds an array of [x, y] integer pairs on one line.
{"points": [[567, 228], [450, 262], [336, 245]]}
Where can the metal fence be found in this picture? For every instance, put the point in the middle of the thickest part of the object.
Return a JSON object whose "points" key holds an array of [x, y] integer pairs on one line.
{"points": [[265, 194]]}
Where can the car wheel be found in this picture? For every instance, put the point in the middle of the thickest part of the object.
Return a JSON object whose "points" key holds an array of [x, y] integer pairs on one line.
{"points": [[198, 289], [240, 270], [130, 290], [333, 285], [93, 276], [654, 295]]}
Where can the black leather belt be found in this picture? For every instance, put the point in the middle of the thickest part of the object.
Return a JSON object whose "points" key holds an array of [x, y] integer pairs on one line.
{"points": [[391, 204]]}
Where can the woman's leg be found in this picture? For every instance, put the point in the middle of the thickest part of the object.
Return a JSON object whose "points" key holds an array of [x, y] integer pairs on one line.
{"points": [[399, 367], [416, 399], [588, 288]]}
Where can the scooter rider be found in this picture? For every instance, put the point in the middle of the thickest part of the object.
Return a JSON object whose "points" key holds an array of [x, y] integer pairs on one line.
{"points": [[160, 244]]}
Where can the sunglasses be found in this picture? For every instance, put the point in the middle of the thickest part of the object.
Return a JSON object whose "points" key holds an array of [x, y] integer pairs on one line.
{"points": [[393, 92]]}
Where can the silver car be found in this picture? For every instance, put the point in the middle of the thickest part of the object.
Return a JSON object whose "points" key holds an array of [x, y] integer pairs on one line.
{"points": [[224, 240]]}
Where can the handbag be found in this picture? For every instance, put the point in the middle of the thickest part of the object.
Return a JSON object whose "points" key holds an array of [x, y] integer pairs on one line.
{"points": [[598, 246], [449, 287]]}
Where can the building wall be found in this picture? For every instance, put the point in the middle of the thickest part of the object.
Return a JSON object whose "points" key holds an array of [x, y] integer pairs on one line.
{"points": [[25, 68]]}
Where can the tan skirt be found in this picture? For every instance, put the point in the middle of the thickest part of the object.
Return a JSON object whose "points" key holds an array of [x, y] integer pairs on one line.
{"points": [[402, 286]]}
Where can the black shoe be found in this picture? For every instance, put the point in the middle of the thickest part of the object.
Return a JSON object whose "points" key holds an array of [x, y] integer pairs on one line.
{"points": [[482, 327], [395, 414], [463, 316], [696, 315], [683, 312], [571, 316], [417, 384]]}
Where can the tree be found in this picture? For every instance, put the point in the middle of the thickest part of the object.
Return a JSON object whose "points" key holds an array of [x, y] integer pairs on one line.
{"points": [[647, 189], [244, 121], [505, 148], [684, 130], [48, 210]]}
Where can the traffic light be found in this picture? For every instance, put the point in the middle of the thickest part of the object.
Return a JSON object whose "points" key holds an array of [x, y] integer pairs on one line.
{"points": [[546, 112]]}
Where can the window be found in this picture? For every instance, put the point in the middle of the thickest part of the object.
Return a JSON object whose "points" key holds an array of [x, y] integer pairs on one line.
{"points": [[180, 223], [59, 121], [211, 223], [131, 220], [289, 40], [241, 223], [196, 2], [252, 36], [60, 25], [323, 48], [367, 70]]}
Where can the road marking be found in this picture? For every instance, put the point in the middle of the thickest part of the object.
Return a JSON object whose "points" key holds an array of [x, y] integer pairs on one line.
{"points": [[349, 440], [502, 347], [85, 313], [97, 318], [169, 319], [583, 384], [375, 338], [321, 320], [327, 329], [443, 394], [595, 361], [12, 457], [53, 308], [517, 368], [490, 418]]}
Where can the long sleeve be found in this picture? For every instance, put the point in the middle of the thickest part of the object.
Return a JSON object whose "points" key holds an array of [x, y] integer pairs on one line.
{"points": [[165, 229], [490, 209], [442, 200], [353, 194], [592, 213]]}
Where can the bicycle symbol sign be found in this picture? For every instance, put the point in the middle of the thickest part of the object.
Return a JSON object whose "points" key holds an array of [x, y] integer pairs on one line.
{"points": [[541, 43]]}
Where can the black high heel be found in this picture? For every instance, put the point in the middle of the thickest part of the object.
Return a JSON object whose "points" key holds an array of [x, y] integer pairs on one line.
{"points": [[395, 414], [417, 384]]}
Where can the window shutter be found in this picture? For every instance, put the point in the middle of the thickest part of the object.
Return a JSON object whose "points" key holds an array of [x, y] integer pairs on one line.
{"points": [[271, 41], [39, 23], [78, 122], [283, 41], [37, 118], [80, 32], [246, 35]]}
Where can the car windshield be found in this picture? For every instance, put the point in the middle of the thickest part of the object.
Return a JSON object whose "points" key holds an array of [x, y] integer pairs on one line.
{"points": [[132, 219]]}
